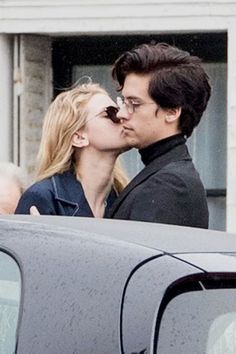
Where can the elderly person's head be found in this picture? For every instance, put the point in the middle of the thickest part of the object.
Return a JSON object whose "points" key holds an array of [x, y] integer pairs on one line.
{"points": [[12, 185]]}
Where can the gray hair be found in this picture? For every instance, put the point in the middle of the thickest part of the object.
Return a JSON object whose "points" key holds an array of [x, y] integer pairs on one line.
{"points": [[15, 173]]}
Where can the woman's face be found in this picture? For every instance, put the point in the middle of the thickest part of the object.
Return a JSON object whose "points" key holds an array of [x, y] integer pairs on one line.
{"points": [[103, 134]]}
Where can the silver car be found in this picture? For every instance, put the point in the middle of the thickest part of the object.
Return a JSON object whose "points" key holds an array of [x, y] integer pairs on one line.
{"points": [[83, 285]]}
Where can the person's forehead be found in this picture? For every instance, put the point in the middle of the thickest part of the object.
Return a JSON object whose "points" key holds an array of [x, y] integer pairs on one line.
{"points": [[99, 101], [136, 85]]}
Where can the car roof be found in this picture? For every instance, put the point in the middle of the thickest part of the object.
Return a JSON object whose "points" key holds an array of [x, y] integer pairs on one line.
{"points": [[166, 238]]}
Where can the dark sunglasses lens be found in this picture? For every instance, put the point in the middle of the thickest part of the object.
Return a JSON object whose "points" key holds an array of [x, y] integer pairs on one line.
{"points": [[112, 114]]}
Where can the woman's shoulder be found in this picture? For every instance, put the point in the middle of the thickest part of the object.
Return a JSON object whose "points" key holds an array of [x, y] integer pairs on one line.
{"points": [[43, 186], [39, 194]]}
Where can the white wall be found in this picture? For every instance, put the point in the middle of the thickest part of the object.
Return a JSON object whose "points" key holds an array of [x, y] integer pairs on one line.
{"points": [[6, 86], [231, 129], [58, 16]]}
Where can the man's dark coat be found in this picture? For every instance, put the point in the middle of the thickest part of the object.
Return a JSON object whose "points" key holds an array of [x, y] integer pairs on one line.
{"points": [[168, 190]]}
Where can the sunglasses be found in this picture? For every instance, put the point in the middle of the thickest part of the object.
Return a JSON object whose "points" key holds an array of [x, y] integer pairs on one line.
{"points": [[111, 112]]}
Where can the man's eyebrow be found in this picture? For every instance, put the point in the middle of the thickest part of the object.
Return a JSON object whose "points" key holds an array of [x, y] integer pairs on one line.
{"points": [[133, 97]]}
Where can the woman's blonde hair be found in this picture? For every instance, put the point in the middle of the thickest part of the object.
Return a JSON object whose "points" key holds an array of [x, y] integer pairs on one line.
{"points": [[65, 116]]}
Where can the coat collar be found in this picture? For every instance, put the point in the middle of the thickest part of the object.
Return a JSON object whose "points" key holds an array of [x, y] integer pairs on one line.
{"points": [[69, 191], [178, 153]]}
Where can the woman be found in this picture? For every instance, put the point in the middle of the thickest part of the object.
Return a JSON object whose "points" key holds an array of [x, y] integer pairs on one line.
{"points": [[77, 173]]}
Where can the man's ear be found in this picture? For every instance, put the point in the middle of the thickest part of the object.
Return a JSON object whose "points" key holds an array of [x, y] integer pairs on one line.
{"points": [[173, 114], [80, 139]]}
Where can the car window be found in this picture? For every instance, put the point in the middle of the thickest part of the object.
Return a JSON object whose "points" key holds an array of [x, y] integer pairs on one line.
{"points": [[10, 292], [222, 334], [202, 321]]}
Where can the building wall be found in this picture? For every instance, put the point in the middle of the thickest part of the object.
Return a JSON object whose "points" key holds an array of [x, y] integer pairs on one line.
{"points": [[231, 130], [6, 73], [32, 93], [74, 17]]}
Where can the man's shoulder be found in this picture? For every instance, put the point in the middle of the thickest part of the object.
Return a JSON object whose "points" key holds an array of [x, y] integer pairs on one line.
{"points": [[182, 167], [178, 173], [179, 167]]}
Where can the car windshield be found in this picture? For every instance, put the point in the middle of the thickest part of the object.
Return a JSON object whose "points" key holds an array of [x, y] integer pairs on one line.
{"points": [[199, 322], [10, 290]]}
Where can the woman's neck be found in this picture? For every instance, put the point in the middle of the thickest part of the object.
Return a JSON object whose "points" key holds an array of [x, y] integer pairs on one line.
{"points": [[94, 171]]}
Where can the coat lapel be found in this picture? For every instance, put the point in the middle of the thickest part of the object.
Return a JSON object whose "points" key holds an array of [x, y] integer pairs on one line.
{"points": [[178, 153], [69, 192]]}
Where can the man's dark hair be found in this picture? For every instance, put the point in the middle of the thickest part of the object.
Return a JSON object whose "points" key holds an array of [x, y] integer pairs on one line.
{"points": [[177, 79]]}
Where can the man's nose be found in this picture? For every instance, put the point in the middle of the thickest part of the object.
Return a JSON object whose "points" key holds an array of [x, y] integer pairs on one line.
{"points": [[123, 113]]}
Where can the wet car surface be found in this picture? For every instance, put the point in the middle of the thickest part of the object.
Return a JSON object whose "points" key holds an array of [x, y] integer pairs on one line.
{"points": [[83, 285]]}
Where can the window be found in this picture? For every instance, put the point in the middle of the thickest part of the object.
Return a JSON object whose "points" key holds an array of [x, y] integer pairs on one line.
{"points": [[200, 319], [207, 145], [222, 335], [10, 290]]}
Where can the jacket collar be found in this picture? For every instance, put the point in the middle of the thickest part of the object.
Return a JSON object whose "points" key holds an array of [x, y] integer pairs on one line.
{"points": [[177, 153], [69, 191], [67, 187]]}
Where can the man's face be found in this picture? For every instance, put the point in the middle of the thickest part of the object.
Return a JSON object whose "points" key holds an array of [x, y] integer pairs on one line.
{"points": [[143, 121]]}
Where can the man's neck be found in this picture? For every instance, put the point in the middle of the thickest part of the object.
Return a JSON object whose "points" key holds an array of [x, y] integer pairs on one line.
{"points": [[160, 147]]}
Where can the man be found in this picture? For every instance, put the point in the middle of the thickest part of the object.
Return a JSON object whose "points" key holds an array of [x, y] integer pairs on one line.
{"points": [[12, 185], [165, 92]]}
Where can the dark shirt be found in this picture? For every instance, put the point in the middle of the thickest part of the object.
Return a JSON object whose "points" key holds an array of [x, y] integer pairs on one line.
{"points": [[160, 148]]}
